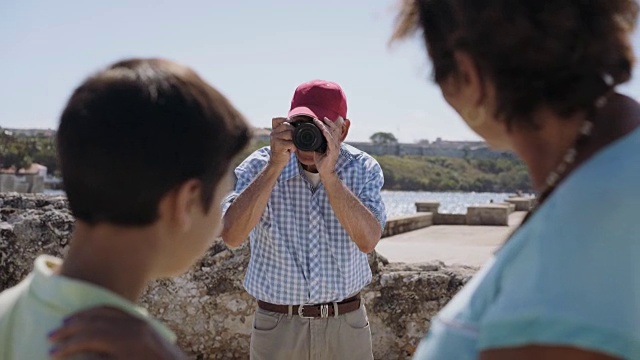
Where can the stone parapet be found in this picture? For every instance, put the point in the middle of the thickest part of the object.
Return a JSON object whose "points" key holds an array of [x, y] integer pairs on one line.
{"points": [[407, 223], [487, 214]]}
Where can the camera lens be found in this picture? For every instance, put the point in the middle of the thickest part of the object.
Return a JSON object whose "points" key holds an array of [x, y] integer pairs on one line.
{"points": [[307, 137]]}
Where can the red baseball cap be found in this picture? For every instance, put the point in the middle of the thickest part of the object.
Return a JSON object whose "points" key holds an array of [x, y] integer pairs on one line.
{"points": [[319, 99]]}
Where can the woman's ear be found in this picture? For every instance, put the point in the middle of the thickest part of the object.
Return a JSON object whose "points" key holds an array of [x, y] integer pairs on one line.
{"points": [[469, 81]]}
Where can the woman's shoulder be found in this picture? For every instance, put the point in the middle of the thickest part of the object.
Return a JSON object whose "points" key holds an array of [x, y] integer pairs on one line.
{"points": [[605, 188], [570, 277]]}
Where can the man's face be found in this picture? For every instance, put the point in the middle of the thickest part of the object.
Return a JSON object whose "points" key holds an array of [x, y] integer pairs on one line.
{"points": [[306, 159], [339, 130]]}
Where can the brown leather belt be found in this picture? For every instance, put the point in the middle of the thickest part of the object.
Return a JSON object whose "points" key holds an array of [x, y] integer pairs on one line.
{"points": [[315, 311]]}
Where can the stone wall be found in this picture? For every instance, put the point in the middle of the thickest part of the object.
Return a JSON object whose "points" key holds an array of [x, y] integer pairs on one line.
{"points": [[491, 214], [208, 307], [449, 219], [28, 183], [7, 182], [403, 224]]}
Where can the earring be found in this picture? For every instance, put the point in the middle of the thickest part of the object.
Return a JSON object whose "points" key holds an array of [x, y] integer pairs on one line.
{"points": [[475, 117]]}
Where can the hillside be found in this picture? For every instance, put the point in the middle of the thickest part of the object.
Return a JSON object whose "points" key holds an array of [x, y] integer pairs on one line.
{"points": [[453, 174], [414, 173]]}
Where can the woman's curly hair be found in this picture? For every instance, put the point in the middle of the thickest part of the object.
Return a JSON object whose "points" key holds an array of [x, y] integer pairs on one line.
{"points": [[564, 54]]}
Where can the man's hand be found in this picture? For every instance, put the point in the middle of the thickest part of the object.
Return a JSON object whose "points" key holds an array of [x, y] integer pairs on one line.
{"points": [[281, 141], [245, 211], [332, 131], [111, 332]]}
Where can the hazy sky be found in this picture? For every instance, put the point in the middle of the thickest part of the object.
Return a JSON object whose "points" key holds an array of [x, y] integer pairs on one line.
{"points": [[255, 52]]}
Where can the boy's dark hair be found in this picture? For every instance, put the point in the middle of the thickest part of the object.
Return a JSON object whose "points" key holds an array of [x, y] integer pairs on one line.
{"points": [[137, 130], [561, 53]]}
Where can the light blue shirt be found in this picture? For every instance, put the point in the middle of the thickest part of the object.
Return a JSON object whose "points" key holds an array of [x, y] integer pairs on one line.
{"points": [[300, 253], [569, 277]]}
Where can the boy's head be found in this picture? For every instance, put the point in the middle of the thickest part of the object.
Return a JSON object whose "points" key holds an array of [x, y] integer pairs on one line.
{"points": [[148, 140]]}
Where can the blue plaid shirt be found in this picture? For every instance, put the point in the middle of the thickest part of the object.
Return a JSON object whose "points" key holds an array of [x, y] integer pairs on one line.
{"points": [[300, 253]]}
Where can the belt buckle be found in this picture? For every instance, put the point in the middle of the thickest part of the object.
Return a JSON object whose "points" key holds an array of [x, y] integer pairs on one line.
{"points": [[301, 312], [324, 311]]}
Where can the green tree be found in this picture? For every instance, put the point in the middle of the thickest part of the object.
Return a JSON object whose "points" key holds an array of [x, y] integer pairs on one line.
{"points": [[14, 151], [383, 138], [21, 151]]}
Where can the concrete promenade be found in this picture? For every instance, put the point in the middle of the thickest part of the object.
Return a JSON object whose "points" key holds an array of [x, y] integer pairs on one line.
{"points": [[452, 244]]}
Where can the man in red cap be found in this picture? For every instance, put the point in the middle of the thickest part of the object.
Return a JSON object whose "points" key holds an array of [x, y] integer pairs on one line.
{"points": [[312, 217]]}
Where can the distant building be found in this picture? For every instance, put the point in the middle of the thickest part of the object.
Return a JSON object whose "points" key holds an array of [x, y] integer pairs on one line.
{"points": [[261, 135], [440, 148], [31, 132]]}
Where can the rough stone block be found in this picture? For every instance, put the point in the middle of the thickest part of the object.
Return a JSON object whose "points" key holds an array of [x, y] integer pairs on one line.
{"points": [[522, 203], [490, 214], [511, 206], [450, 219]]}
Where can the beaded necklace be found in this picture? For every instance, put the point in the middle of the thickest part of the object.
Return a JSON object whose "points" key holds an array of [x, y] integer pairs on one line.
{"points": [[554, 178]]}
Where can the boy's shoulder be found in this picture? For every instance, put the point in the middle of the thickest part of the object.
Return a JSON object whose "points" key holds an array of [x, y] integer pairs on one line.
{"points": [[9, 318], [18, 298], [38, 305], [10, 297]]}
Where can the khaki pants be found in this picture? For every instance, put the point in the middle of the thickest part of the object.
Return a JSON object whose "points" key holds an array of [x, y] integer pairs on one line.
{"points": [[278, 336]]}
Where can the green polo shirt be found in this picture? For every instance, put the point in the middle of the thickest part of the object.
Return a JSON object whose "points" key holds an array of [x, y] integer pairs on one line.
{"points": [[37, 305]]}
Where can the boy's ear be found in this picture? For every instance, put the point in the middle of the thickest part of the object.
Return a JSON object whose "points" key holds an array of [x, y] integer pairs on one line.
{"points": [[180, 205]]}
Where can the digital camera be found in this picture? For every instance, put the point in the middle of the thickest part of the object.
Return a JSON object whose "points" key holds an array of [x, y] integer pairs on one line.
{"points": [[308, 137]]}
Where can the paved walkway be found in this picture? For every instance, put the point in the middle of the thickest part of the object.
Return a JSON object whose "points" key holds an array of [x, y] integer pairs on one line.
{"points": [[452, 244]]}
